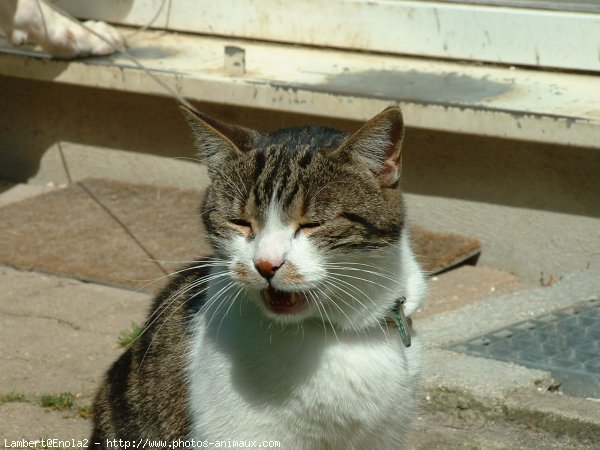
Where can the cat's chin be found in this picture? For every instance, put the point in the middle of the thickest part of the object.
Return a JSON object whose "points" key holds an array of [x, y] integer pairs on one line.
{"points": [[283, 302]]}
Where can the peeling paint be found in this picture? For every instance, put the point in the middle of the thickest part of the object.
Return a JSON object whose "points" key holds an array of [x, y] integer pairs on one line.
{"points": [[413, 85], [350, 97]]}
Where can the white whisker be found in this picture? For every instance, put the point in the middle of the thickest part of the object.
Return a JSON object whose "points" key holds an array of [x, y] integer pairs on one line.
{"points": [[366, 280], [336, 267], [200, 266], [332, 282], [231, 302]]}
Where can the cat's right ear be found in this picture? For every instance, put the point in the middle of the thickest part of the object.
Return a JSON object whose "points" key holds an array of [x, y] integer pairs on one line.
{"points": [[217, 140], [376, 146]]}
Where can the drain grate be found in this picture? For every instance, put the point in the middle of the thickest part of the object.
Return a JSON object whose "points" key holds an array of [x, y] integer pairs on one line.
{"points": [[565, 342]]}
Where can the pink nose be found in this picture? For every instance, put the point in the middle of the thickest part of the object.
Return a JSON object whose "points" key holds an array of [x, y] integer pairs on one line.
{"points": [[266, 268]]}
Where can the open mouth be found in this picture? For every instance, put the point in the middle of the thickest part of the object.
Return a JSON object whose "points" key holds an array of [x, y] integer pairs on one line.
{"points": [[281, 302]]}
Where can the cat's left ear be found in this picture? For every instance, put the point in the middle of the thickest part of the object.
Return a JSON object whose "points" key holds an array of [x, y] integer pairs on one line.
{"points": [[377, 146], [218, 140]]}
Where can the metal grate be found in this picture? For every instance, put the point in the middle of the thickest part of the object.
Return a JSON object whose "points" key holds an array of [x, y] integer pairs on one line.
{"points": [[565, 342]]}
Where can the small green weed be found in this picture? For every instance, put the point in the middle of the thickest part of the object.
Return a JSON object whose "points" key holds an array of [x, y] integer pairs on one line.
{"points": [[127, 337], [12, 397], [64, 400]]}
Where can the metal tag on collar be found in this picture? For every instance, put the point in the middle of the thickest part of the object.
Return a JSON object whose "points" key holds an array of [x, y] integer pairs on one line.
{"points": [[402, 323]]}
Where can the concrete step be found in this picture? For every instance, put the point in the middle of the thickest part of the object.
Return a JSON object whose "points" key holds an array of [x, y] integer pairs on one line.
{"points": [[11, 192], [466, 284]]}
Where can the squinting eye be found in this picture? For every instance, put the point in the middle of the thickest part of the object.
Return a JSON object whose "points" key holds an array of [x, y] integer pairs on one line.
{"points": [[309, 225], [241, 223]]}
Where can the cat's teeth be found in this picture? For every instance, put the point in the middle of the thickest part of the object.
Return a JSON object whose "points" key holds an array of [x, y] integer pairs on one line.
{"points": [[284, 302]]}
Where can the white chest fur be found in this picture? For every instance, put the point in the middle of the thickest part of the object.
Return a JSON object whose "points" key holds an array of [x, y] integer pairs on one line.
{"points": [[303, 386]]}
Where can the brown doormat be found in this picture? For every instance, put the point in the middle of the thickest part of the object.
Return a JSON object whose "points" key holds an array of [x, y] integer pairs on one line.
{"points": [[133, 235]]}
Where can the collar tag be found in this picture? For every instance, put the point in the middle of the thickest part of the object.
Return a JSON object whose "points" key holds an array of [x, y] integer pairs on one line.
{"points": [[402, 323]]}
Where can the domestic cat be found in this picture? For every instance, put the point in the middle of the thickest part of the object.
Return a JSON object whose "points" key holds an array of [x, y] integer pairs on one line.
{"points": [[290, 333]]}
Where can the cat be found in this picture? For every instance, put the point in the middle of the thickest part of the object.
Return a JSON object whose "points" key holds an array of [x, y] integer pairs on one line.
{"points": [[290, 333], [43, 24]]}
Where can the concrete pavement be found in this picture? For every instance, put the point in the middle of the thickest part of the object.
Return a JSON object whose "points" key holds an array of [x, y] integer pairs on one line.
{"points": [[60, 335]]}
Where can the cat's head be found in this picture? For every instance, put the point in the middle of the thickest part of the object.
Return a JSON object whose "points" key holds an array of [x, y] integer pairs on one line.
{"points": [[307, 219]]}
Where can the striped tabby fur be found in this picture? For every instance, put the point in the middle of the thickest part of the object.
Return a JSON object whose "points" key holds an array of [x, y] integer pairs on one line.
{"points": [[282, 335]]}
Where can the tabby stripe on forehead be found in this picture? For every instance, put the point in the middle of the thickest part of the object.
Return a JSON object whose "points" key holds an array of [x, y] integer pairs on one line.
{"points": [[303, 159], [276, 170], [263, 181], [276, 162], [259, 164], [306, 159], [262, 188], [291, 194], [280, 188]]}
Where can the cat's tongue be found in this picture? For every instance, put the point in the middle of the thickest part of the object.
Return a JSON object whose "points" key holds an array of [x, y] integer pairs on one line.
{"points": [[284, 302]]}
